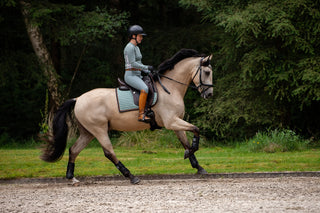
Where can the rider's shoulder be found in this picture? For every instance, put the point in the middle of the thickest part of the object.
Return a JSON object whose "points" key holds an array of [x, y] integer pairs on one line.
{"points": [[129, 47]]}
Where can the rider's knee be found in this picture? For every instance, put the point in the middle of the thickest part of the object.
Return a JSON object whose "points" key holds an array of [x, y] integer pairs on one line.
{"points": [[145, 88]]}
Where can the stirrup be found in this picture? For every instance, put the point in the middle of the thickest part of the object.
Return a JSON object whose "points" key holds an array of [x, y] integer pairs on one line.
{"points": [[145, 119]]}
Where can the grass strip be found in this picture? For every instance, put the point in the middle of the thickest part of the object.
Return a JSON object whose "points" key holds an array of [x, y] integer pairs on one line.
{"points": [[24, 163]]}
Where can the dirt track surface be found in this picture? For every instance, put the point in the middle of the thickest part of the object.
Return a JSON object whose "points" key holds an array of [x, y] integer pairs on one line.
{"points": [[279, 194]]}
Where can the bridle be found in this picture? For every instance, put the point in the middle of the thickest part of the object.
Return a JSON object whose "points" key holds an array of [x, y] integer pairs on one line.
{"points": [[201, 84]]}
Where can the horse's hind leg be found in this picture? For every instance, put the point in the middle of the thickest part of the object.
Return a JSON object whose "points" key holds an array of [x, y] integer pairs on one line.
{"points": [[83, 140], [192, 158], [105, 142]]}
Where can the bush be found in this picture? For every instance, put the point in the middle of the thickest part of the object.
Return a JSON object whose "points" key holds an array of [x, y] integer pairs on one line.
{"points": [[163, 138], [148, 139], [276, 141], [6, 141]]}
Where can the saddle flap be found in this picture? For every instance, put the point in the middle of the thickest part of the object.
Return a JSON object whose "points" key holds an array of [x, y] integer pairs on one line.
{"points": [[152, 94]]}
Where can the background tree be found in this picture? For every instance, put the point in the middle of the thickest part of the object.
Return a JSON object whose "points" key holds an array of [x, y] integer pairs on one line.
{"points": [[266, 58], [52, 26], [267, 66]]}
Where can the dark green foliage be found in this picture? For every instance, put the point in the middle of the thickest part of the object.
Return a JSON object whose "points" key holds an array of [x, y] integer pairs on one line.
{"points": [[22, 91], [276, 141], [267, 67], [86, 40], [22, 85], [67, 29], [266, 58], [76, 24]]}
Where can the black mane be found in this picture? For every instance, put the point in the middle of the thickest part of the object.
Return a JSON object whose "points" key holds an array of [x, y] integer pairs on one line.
{"points": [[182, 54]]}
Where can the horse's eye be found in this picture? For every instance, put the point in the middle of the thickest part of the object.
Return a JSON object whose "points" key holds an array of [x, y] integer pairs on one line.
{"points": [[206, 72]]}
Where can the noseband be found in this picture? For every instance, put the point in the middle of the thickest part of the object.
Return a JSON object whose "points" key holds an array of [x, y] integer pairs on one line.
{"points": [[199, 70]]}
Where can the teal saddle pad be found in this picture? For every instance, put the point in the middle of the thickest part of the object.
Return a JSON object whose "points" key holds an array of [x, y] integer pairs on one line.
{"points": [[126, 102]]}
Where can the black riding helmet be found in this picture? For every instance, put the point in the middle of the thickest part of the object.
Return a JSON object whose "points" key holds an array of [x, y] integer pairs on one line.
{"points": [[135, 30]]}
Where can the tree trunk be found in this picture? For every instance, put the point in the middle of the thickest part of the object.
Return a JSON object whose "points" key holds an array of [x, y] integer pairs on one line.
{"points": [[45, 61]]}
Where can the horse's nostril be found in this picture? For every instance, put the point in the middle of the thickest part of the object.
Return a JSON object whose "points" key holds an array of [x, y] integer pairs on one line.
{"points": [[206, 95]]}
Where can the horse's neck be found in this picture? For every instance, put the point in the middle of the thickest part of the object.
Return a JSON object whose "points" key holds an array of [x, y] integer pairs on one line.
{"points": [[182, 73]]}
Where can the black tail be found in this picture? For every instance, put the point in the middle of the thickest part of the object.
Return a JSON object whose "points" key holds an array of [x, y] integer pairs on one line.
{"points": [[56, 144]]}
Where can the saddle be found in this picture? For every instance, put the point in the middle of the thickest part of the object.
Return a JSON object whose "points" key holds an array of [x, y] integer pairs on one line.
{"points": [[151, 99], [136, 93]]}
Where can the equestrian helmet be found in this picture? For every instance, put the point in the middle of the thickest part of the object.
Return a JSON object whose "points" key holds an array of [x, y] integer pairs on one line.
{"points": [[135, 30]]}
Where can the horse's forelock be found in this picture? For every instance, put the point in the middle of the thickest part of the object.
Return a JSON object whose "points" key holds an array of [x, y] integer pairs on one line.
{"points": [[206, 63]]}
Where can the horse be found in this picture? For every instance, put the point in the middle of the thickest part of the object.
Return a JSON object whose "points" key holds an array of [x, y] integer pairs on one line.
{"points": [[96, 112]]}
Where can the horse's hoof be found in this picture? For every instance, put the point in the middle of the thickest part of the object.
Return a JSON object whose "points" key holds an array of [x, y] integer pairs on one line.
{"points": [[135, 180], [202, 171], [74, 181]]}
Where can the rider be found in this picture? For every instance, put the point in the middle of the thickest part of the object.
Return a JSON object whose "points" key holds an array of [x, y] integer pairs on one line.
{"points": [[134, 66]]}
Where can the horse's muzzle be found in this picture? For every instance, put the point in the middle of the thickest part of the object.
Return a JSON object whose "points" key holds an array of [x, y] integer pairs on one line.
{"points": [[208, 93]]}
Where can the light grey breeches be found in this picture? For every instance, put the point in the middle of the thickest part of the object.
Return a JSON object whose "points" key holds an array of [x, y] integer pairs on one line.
{"points": [[133, 78]]}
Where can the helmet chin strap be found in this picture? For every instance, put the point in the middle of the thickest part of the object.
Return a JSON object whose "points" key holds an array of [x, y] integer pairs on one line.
{"points": [[135, 39]]}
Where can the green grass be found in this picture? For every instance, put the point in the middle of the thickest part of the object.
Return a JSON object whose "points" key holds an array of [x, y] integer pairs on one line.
{"points": [[18, 163], [159, 152]]}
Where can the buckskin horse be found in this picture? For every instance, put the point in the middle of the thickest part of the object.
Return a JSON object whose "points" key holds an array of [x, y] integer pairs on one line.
{"points": [[97, 112]]}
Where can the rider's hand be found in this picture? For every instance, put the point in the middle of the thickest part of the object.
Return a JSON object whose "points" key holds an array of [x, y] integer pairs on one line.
{"points": [[147, 72], [150, 68]]}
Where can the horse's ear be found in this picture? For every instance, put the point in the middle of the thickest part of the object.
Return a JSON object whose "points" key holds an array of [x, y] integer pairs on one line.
{"points": [[206, 61]]}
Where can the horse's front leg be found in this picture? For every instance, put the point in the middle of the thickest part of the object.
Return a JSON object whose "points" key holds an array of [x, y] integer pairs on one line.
{"points": [[194, 146], [192, 158], [181, 125]]}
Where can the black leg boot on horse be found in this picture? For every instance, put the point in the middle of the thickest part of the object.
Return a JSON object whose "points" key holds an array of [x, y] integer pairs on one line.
{"points": [[142, 105]]}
